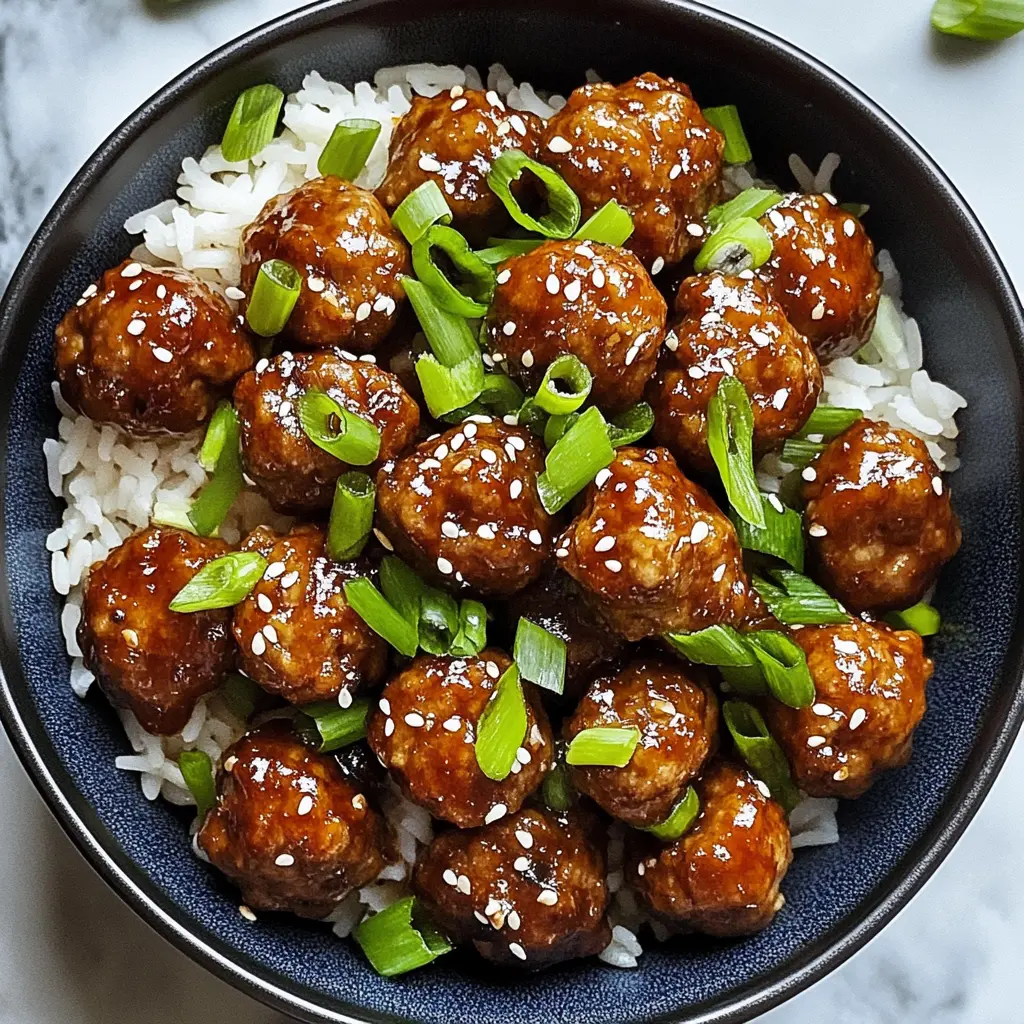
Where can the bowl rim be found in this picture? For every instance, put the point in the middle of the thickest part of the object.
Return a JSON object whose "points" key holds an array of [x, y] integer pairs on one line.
{"points": [[753, 997]]}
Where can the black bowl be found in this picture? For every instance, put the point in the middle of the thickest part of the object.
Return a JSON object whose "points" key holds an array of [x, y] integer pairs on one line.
{"points": [[892, 839]]}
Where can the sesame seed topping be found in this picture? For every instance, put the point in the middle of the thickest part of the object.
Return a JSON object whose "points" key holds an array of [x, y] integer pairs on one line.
{"points": [[450, 877], [415, 720], [613, 565], [289, 580], [315, 284], [359, 802], [345, 697], [515, 489], [640, 869], [831, 199], [773, 500], [389, 726], [548, 897], [452, 724], [458, 441], [631, 354], [857, 718], [675, 172], [815, 741], [695, 372], [463, 885], [136, 327], [270, 633], [449, 529], [491, 668], [484, 532], [247, 913], [508, 330], [463, 466], [763, 789], [441, 451], [523, 756], [825, 710], [572, 290], [559, 145], [504, 128], [132, 270], [259, 645], [809, 473], [459, 104], [130, 637], [517, 442], [516, 950], [552, 284], [428, 163], [658, 265], [535, 537], [584, 250], [262, 365], [527, 359], [470, 430], [937, 484], [496, 812], [700, 532], [602, 477], [819, 310], [445, 566], [605, 544], [284, 860], [597, 277], [817, 530], [456, 91], [521, 863], [492, 98], [840, 775], [562, 553], [504, 277], [284, 409], [849, 228], [694, 229], [518, 124], [163, 354], [385, 705], [91, 291], [381, 537], [305, 805], [363, 311], [487, 454], [264, 603], [514, 920], [274, 570], [524, 838], [135, 285], [231, 292]]}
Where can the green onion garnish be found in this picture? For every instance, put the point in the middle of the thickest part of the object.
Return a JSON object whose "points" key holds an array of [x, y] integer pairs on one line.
{"points": [[348, 148], [273, 298], [343, 434], [501, 727], [214, 501], [217, 433], [475, 297], [565, 387], [727, 121], [922, 618], [608, 745], [328, 726], [781, 536], [611, 225], [857, 209], [556, 790], [439, 620], [797, 601], [760, 751], [448, 335], [242, 695], [829, 421], [501, 394], [382, 617], [500, 249], [579, 455], [252, 122], [402, 588], [221, 583], [728, 650], [556, 427], [731, 443], [395, 944], [784, 665], [197, 771], [978, 19], [447, 388], [751, 202], [422, 207], [629, 426], [740, 244], [681, 820], [563, 216], [798, 452], [351, 516], [540, 656], [471, 638], [532, 416]]}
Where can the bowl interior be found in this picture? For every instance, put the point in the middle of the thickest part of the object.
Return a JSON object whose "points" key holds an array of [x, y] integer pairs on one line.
{"points": [[971, 333]]}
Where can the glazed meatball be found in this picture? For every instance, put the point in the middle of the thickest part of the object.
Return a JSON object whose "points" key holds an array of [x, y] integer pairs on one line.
{"points": [[646, 145], [527, 891], [593, 301], [728, 325], [452, 139], [653, 553], [678, 721], [348, 255], [289, 829], [463, 508], [148, 659], [294, 474], [150, 349], [870, 683], [879, 517], [297, 635], [423, 731], [822, 272], [721, 877]]}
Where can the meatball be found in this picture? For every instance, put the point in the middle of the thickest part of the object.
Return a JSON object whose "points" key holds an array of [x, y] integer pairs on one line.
{"points": [[150, 349], [452, 139], [721, 877], [297, 635], [728, 325], [463, 508], [646, 145], [653, 553], [423, 731], [289, 829], [879, 517], [593, 301], [822, 272], [294, 474], [148, 659], [351, 261], [870, 683], [527, 891]]}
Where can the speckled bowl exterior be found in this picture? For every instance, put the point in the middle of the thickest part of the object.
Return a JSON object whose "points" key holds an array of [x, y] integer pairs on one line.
{"points": [[892, 839]]}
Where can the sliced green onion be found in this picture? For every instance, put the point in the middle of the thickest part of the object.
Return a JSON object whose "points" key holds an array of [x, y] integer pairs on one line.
{"points": [[252, 122], [439, 620], [563, 216], [343, 434], [217, 433], [214, 501], [829, 421], [540, 656], [798, 452], [447, 388], [629, 426], [475, 297], [501, 394], [172, 513], [351, 516], [556, 790], [348, 148], [922, 618], [471, 638], [565, 387], [532, 416], [751, 202], [608, 745], [556, 426], [763, 755], [222, 583], [197, 770], [448, 335], [274, 294], [382, 617], [501, 727], [575, 460], [242, 695], [422, 207], [731, 443], [328, 726], [611, 225], [738, 245], [402, 588], [500, 249], [727, 121], [782, 535], [797, 601], [395, 943], [978, 19], [726, 649], [784, 665], [857, 209], [681, 820]]}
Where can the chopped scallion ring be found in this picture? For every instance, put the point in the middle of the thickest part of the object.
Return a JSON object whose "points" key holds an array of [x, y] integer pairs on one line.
{"points": [[252, 122], [739, 244], [501, 394], [751, 202], [197, 770], [629, 426], [500, 249], [501, 727], [608, 745], [473, 299], [728, 650], [540, 656], [922, 618], [556, 427], [784, 665], [471, 638], [763, 755], [217, 434], [727, 121], [328, 726], [439, 620], [385, 620], [612, 224], [273, 298], [782, 535], [348, 148], [533, 417], [398, 940], [447, 388], [448, 334], [565, 387], [578, 456], [343, 434], [978, 19], [731, 443], [797, 601], [213, 502], [222, 583], [242, 695], [556, 790], [402, 588], [422, 207], [681, 820], [563, 216], [799, 452], [829, 421], [351, 516]]}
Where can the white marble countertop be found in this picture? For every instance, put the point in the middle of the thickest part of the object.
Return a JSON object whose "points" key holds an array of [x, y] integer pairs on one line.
{"points": [[70, 951]]}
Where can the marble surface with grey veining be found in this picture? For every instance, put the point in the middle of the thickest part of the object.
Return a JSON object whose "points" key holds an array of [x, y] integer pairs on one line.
{"points": [[70, 951]]}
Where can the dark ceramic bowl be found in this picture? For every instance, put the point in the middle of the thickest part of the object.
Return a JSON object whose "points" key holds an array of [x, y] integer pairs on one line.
{"points": [[892, 839]]}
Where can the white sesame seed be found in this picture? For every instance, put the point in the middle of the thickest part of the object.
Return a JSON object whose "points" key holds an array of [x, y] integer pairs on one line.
{"points": [[510, 452], [658, 265], [452, 724], [602, 477], [492, 98], [535, 537], [456, 91], [817, 530], [262, 365], [385, 705], [527, 359], [463, 885], [305, 805], [484, 532], [605, 544], [389, 726], [504, 128], [91, 290], [274, 570], [830, 198], [470, 429], [513, 920], [552, 284], [491, 668], [504, 277], [315, 284], [459, 104], [231, 292], [718, 573], [135, 285], [458, 441], [136, 327], [819, 310], [937, 484], [284, 409], [694, 229], [695, 372], [840, 775], [700, 532], [493, 906], [515, 489], [364, 310], [631, 354], [230, 763], [548, 897], [289, 580], [508, 330], [559, 145], [284, 860], [815, 741], [640, 869], [445, 566], [597, 277], [516, 950], [487, 454], [523, 756], [763, 789], [517, 442], [264, 603], [132, 270], [496, 812], [345, 697], [382, 539], [857, 718], [449, 529], [415, 720], [521, 863], [161, 292], [428, 163], [259, 645], [163, 354], [849, 228], [270, 633], [463, 466], [518, 124], [773, 500], [562, 553], [675, 172], [572, 290], [613, 565], [809, 473], [450, 877], [524, 838], [822, 709], [248, 914]]}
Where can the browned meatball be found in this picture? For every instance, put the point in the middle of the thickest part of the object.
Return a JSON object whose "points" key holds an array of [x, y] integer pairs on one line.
{"points": [[452, 139], [297, 635], [646, 145], [289, 829], [870, 683], [593, 301], [349, 257], [527, 891], [463, 508], [155, 662], [822, 272], [722, 877], [294, 474], [879, 517], [151, 349], [652, 551], [423, 730], [728, 325]]}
